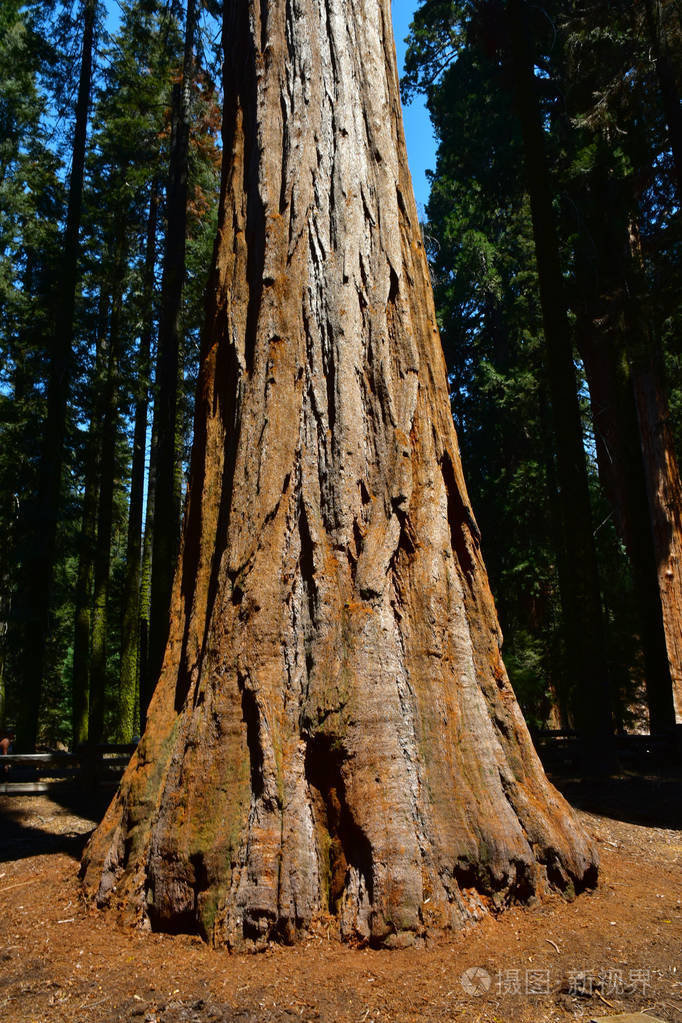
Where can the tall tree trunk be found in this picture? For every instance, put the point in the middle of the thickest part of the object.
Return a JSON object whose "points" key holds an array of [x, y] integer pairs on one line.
{"points": [[621, 469], [665, 504], [4, 617], [663, 484], [5, 614], [45, 517], [561, 690], [581, 599], [667, 82], [333, 730], [147, 681], [7, 557], [105, 510], [80, 689], [130, 626], [19, 481], [614, 340], [167, 512]]}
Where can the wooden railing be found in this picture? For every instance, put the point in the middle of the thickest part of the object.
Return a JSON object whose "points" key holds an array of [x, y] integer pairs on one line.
{"points": [[90, 767], [94, 767]]}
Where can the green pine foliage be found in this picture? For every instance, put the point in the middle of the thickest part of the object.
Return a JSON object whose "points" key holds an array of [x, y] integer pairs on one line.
{"points": [[482, 258], [611, 168], [126, 157]]}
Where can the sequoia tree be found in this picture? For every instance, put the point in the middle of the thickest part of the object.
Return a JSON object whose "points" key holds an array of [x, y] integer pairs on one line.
{"points": [[333, 730]]}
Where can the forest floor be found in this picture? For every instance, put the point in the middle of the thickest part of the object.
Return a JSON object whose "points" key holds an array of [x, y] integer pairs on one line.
{"points": [[615, 950]]}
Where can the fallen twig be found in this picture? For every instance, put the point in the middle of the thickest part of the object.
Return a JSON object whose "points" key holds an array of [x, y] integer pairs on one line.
{"points": [[89, 1005], [554, 945], [18, 884]]}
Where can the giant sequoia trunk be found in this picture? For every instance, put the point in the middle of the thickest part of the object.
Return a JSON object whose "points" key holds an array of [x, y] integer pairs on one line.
{"points": [[333, 730], [665, 505], [663, 484]]}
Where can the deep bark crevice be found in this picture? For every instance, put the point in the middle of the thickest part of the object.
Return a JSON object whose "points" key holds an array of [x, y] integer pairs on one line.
{"points": [[254, 227], [251, 716], [569, 886], [346, 844], [179, 922], [460, 518], [255, 264], [476, 874], [227, 374], [307, 565]]}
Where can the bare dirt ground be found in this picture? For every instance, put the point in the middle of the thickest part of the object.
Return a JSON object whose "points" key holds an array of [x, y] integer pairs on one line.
{"points": [[615, 950]]}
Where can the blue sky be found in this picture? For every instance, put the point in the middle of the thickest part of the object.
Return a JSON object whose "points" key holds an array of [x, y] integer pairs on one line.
{"points": [[421, 146], [420, 142]]}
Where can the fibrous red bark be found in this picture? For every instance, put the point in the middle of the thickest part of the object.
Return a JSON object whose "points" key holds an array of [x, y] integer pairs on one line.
{"points": [[663, 485], [665, 502], [333, 731]]}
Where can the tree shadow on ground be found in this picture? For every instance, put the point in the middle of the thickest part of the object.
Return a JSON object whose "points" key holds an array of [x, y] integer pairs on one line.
{"points": [[652, 800], [58, 822], [62, 821]]}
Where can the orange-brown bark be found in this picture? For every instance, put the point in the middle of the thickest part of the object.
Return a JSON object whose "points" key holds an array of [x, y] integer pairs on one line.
{"points": [[665, 503], [663, 484], [333, 730]]}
